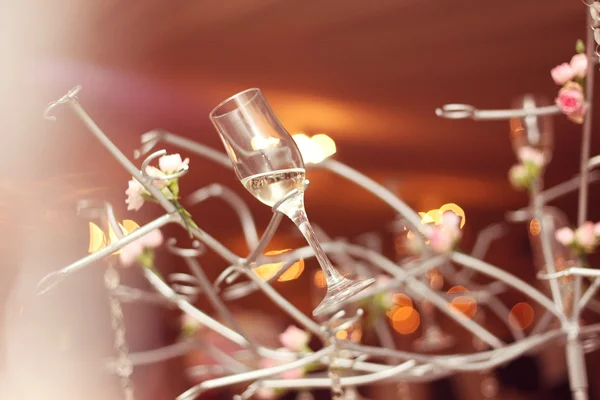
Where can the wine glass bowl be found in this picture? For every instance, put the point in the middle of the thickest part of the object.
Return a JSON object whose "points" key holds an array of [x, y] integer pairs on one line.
{"points": [[269, 164], [255, 141]]}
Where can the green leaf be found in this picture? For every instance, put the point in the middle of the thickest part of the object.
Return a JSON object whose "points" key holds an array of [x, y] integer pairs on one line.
{"points": [[579, 46]]}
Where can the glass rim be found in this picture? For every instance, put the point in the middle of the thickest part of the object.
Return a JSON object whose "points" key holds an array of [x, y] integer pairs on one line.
{"points": [[213, 115]]}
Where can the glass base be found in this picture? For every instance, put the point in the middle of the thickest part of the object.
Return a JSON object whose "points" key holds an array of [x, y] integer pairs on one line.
{"points": [[339, 292]]}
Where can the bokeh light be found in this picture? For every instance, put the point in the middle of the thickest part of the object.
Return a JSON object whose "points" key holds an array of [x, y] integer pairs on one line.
{"points": [[521, 316], [259, 142], [435, 216], [268, 271], [353, 333], [98, 239], [534, 227], [402, 300], [326, 144], [314, 149], [405, 320], [465, 304]]}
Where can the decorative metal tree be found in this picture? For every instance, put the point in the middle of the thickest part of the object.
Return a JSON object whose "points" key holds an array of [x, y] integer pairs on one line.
{"points": [[268, 372]]}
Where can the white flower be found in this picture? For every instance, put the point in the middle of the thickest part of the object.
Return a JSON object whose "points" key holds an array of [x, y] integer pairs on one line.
{"points": [[585, 236], [450, 221], [135, 195], [529, 155], [172, 163], [130, 253], [156, 175], [565, 236], [294, 339], [597, 229]]}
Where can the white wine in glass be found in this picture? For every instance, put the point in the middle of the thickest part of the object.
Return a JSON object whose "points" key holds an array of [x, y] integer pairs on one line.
{"points": [[269, 165]]}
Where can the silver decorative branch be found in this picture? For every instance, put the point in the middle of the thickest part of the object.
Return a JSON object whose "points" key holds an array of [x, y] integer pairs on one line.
{"points": [[184, 288]]}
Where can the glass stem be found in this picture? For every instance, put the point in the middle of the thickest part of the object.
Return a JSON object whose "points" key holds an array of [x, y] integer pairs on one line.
{"points": [[294, 209]]}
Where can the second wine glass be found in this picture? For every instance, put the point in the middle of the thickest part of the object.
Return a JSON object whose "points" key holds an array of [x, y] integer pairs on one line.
{"points": [[270, 166]]}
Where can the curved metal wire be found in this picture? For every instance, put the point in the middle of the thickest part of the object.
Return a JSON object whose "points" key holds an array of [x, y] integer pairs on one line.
{"points": [[152, 157], [71, 94]]}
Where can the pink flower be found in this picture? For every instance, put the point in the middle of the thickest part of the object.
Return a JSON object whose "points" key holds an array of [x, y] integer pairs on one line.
{"points": [[443, 237], [135, 195], [131, 252], [440, 241], [571, 101], [579, 65], [565, 236], [562, 73], [585, 236], [172, 163], [450, 221], [294, 339], [155, 173], [597, 229], [529, 155]]}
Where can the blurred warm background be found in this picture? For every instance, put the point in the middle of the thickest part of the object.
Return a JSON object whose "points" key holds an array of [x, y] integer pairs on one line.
{"points": [[369, 74]]}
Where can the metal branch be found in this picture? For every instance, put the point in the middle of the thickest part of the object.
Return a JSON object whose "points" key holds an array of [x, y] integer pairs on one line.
{"points": [[465, 111], [236, 203]]}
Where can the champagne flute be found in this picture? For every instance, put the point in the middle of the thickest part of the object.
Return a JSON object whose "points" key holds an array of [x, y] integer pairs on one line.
{"points": [[270, 166]]}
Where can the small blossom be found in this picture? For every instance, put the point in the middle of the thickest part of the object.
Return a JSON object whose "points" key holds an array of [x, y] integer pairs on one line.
{"points": [[135, 195], [529, 155], [443, 237], [579, 65], [597, 229], [440, 241], [171, 163], [571, 102], [156, 175], [585, 237], [131, 252], [562, 73], [294, 339], [451, 222], [565, 236]]}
